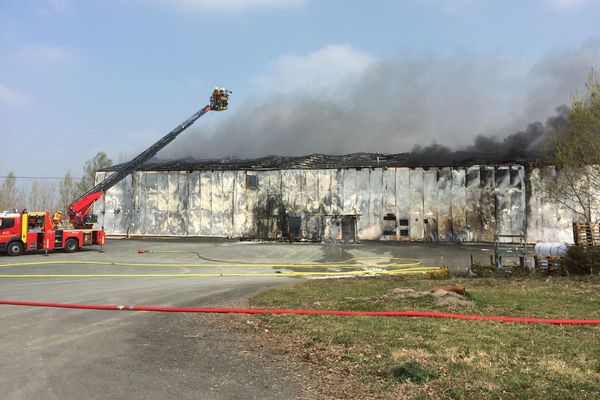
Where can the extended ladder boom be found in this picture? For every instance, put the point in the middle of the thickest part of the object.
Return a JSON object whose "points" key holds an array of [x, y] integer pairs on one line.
{"points": [[78, 210]]}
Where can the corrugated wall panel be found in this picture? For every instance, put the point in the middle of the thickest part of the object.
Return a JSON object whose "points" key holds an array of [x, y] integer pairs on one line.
{"points": [[195, 210], [151, 205], [444, 201], [296, 185], [535, 227], [416, 203], [430, 204], [174, 219], [517, 200], [337, 192], [488, 204], [363, 198], [228, 200], [217, 203], [372, 227], [503, 201], [137, 218], [112, 200], [467, 205], [183, 203], [205, 203], [549, 214], [240, 213], [349, 192], [324, 200], [460, 229], [388, 199], [474, 206], [312, 190], [403, 201], [388, 204], [162, 204]]}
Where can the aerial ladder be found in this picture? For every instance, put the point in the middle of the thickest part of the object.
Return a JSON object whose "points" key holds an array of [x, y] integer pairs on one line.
{"points": [[79, 211]]}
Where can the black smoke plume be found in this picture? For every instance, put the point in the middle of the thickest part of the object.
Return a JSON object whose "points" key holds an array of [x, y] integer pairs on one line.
{"points": [[526, 145]]}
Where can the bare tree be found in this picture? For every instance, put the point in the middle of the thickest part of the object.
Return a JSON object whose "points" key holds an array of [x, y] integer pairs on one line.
{"points": [[575, 152], [42, 196], [67, 191], [11, 196], [99, 161]]}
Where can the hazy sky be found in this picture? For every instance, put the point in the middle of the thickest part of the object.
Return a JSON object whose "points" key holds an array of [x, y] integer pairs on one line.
{"points": [[307, 75]]}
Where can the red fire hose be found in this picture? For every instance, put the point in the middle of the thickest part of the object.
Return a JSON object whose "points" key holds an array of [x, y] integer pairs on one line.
{"points": [[429, 314]]}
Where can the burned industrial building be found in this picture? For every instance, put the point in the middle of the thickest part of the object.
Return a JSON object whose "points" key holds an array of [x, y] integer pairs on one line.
{"points": [[362, 196]]}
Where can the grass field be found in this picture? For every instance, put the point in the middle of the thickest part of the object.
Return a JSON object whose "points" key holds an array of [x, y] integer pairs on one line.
{"points": [[424, 358]]}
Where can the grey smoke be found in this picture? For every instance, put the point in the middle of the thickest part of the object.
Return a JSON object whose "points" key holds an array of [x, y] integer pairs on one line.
{"points": [[459, 102], [524, 145]]}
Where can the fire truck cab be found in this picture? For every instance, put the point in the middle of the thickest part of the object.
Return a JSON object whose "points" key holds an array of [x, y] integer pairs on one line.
{"points": [[25, 232]]}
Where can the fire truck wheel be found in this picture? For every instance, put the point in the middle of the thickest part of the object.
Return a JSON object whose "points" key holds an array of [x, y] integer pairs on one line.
{"points": [[15, 249], [71, 245]]}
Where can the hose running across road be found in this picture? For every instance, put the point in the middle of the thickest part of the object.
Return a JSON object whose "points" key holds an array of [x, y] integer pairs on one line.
{"points": [[428, 314]]}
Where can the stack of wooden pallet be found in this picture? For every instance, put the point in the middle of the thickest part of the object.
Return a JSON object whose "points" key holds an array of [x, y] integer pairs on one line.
{"points": [[551, 263], [586, 235]]}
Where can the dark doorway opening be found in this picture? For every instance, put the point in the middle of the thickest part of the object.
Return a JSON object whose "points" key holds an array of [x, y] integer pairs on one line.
{"points": [[349, 229], [295, 223]]}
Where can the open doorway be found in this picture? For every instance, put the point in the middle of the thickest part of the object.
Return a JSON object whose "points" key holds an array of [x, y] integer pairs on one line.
{"points": [[349, 229]]}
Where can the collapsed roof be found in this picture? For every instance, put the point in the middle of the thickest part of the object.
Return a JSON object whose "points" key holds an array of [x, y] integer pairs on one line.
{"points": [[322, 161]]}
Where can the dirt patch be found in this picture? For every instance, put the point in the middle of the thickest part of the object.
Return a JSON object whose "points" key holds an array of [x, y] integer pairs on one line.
{"points": [[441, 297]]}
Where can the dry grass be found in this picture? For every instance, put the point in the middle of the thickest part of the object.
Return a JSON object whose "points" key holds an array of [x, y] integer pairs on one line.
{"points": [[461, 359]]}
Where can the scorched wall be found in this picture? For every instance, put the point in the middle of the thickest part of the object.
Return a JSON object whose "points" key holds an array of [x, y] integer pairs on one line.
{"points": [[445, 204]]}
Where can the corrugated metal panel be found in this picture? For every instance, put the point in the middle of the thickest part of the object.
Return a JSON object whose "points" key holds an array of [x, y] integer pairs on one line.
{"points": [[474, 206], [240, 214], [458, 204], [325, 199], [152, 227], [370, 189], [194, 204], [415, 177], [112, 202], [388, 203], [403, 202], [460, 229], [205, 203], [444, 201], [363, 198], [349, 200], [337, 192], [228, 184], [517, 200], [503, 201], [430, 205], [217, 202]]}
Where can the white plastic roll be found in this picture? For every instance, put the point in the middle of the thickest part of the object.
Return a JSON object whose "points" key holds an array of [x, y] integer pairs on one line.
{"points": [[549, 249]]}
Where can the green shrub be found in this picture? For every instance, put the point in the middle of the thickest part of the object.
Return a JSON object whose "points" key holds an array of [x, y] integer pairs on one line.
{"points": [[582, 260]]}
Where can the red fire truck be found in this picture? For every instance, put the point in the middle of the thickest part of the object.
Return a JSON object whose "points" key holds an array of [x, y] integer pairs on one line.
{"points": [[24, 232]]}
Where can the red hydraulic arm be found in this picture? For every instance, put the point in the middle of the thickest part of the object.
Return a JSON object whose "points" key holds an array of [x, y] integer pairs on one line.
{"points": [[79, 211]]}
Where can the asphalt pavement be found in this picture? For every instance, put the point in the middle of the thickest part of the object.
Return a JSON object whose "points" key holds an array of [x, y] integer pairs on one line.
{"points": [[51, 353]]}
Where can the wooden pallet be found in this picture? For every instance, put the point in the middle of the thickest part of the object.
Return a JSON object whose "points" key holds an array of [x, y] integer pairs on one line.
{"points": [[586, 235], [550, 263]]}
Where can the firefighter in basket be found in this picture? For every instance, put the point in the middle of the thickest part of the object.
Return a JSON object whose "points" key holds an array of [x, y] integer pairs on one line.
{"points": [[219, 100]]}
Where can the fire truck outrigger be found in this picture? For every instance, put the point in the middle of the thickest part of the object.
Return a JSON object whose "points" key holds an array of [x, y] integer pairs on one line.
{"points": [[29, 231]]}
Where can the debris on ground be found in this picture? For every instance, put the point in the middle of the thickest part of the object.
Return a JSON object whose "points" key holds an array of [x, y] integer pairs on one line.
{"points": [[456, 289], [447, 296]]}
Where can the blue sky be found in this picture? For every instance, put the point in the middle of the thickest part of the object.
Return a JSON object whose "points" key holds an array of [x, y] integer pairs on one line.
{"points": [[81, 76]]}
